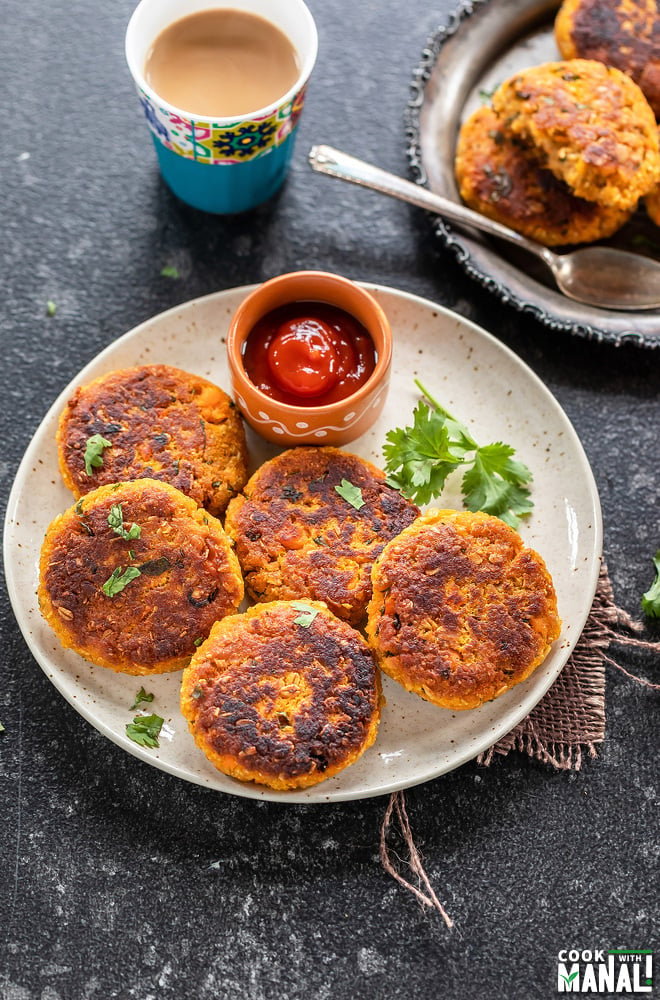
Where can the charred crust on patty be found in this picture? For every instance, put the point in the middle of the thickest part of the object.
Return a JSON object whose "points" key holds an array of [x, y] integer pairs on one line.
{"points": [[461, 609], [283, 704], [138, 604], [160, 423], [502, 177], [589, 124], [621, 33], [296, 536]]}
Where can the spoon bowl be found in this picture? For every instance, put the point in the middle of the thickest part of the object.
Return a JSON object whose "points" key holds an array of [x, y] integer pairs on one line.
{"points": [[600, 276]]}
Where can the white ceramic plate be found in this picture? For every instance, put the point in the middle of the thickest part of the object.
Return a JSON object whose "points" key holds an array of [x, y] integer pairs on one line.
{"points": [[475, 377]]}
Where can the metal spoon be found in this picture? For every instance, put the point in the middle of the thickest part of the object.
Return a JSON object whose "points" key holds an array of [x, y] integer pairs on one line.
{"points": [[598, 276]]}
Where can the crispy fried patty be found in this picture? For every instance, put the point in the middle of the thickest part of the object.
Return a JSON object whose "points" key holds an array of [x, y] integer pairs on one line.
{"points": [[137, 599], [461, 610], [282, 696], [501, 177], [590, 124], [161, 423], [652, 205], [621, 33], [295, 536]]}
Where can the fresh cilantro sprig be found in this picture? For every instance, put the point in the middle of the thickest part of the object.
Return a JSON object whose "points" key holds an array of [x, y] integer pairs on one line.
{"points": [[145, 730], [420, 458], [651, 599], [116, 522], [94, 452]]}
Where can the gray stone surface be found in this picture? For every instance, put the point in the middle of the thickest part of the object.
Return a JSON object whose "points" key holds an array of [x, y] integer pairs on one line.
{"points": [[118, 881]]}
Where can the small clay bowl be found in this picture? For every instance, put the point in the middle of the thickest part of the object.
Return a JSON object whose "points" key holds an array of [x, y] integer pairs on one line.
{"points": [[330, 424]]}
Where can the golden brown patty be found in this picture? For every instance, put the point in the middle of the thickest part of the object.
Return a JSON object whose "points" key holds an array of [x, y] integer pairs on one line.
{"points": [[161, 423], [590, 124], [652, 205], [461, 610], [295, 536], [621, 33], [283, 696], [502, 178], [137, 599]]}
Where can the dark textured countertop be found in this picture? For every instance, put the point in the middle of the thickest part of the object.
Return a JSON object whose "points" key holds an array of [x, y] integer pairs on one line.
{"points": [[118, 880]]}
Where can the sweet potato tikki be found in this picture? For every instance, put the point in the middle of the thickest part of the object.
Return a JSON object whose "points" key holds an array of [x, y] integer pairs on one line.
{"points": [[589, 124], [501, 177], [133, 576], [310, 524], [461, 610], [285, 695], [620, 33], [158, 422]]}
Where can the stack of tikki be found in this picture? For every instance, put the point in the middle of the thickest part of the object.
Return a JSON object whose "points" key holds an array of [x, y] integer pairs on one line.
{"points": [[563, 155], [621, 33]]}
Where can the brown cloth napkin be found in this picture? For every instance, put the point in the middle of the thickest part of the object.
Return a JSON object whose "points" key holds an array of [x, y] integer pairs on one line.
{"points": [[569, 720]]}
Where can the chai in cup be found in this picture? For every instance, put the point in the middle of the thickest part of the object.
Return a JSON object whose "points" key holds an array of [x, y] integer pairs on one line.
{"points": [[222, 89], [223, 62]]}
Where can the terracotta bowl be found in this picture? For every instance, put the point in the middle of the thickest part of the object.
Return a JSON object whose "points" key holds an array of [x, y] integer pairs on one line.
{"points": [[332, 424]]}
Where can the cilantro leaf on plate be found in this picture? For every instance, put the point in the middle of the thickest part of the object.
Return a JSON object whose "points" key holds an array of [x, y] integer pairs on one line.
{"points": [[145, 730], [496, 484], [142, 695]]}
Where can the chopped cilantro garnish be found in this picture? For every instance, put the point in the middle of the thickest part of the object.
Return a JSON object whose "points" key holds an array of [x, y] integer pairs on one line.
{"points": [[651, 599], [94, 452], [419, 459], [2, 728], [199, 640], [145, 730], [307, 613], [51, 308], [350, 493], [169, 271], [116, 522], [141, 696], [119, 579]]}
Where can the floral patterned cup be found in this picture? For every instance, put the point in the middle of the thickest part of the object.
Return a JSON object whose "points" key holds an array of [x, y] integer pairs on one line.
{"points": [[223, 165], [331, 424]]}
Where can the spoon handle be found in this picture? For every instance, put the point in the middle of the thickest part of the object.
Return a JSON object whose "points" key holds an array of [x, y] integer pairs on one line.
{"points": [[326, 160]]}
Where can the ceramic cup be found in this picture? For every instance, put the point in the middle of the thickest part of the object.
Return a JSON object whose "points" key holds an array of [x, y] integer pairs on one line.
{"points": [[224, 165], [331, 424]]}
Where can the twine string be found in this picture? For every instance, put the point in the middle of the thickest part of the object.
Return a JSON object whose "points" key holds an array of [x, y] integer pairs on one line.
{"points": [[397, 804]]}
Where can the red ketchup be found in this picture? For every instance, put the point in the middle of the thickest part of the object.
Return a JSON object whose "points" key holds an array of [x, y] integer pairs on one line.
{"points": [[308, 352]]}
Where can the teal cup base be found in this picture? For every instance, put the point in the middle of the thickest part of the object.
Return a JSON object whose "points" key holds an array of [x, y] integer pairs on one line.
{"points": [[226, 189]]}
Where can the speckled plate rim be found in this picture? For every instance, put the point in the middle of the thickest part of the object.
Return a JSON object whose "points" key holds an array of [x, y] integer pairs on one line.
{"points": [[485, 23], [469, 369]]}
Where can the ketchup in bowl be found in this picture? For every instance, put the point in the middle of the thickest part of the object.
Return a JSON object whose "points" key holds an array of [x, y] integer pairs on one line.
{"points": [[308, 353]]}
